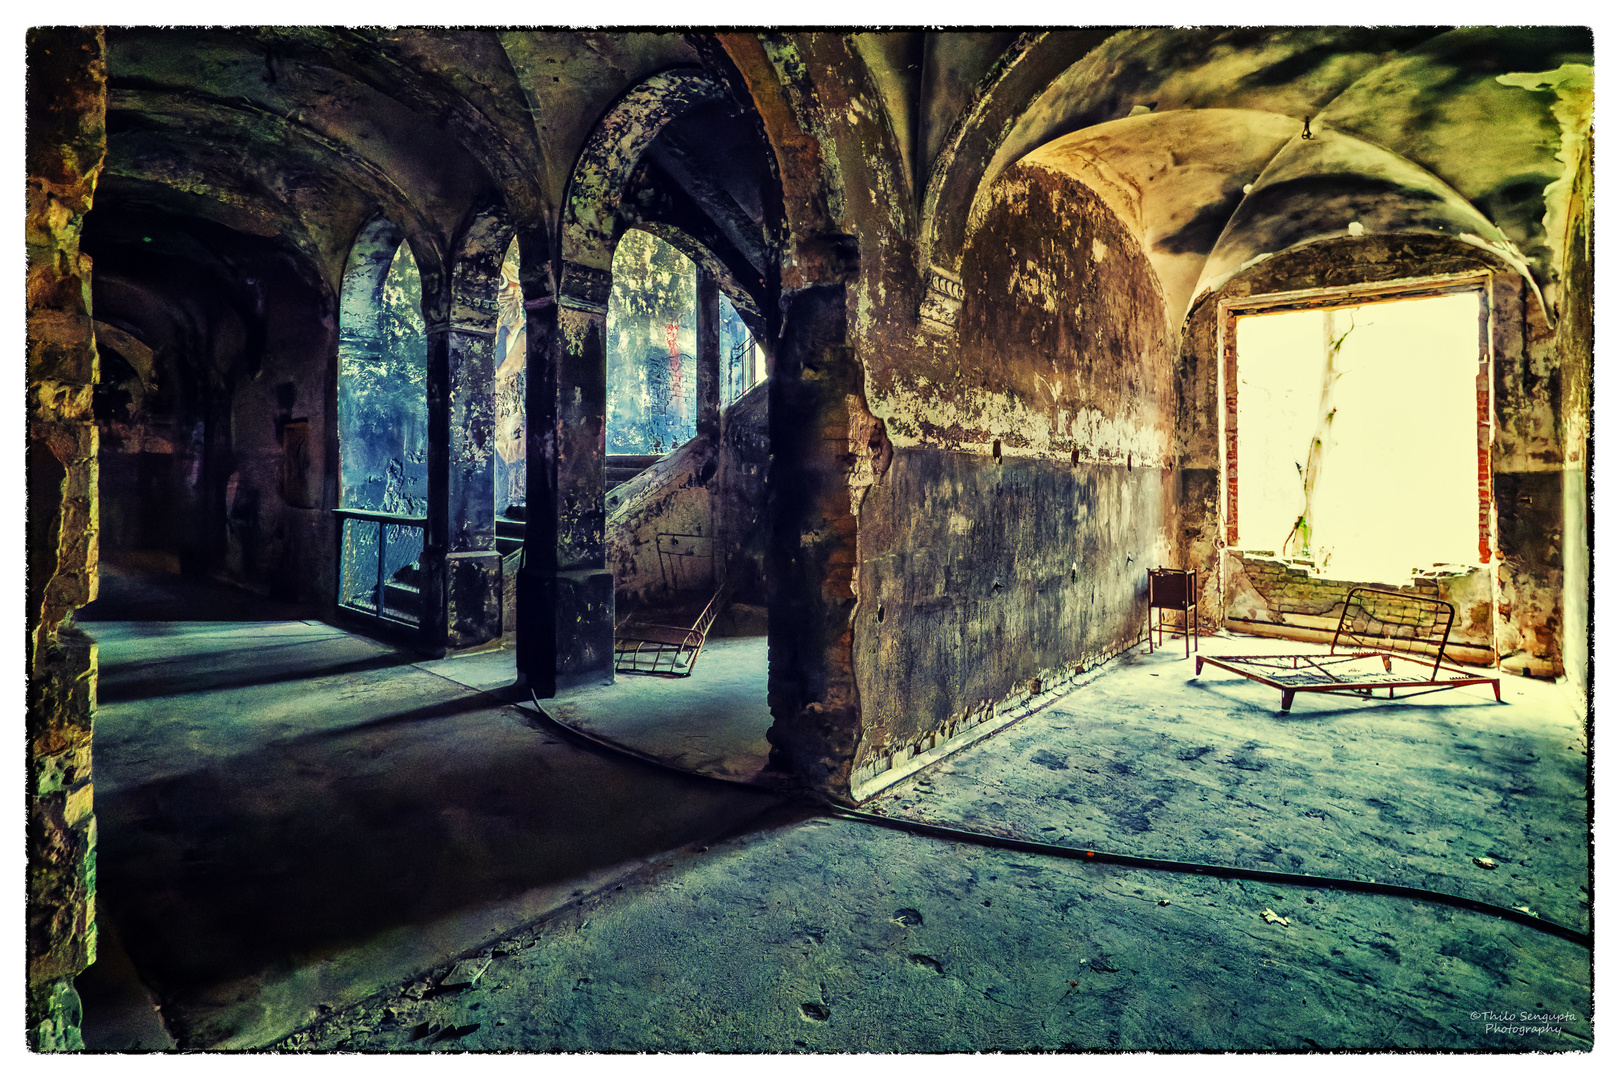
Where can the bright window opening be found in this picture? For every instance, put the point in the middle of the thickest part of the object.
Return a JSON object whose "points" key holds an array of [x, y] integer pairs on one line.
{"points": [[1358, 441], [651, 347], [382, 429], [742, 365], [511, 462], [382, 391]]}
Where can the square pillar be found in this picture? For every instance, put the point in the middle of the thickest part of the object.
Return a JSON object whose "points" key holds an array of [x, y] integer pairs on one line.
{"points": [[461, 568], [565, 592]]}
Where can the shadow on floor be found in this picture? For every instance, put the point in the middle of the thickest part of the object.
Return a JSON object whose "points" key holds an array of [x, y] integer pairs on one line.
{"points": [[132, 587], [290, 817], [233, 868]]}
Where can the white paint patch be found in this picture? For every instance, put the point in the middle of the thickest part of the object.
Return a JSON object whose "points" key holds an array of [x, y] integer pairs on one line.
{"points": [[961, 524], [1356, 229], [1099, 250], [1040, 434]]}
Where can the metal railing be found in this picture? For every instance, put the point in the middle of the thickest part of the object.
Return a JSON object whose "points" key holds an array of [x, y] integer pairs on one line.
{"points": [[379, 564]]}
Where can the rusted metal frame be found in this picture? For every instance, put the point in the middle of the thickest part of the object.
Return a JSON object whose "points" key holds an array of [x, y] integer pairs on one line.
{"points": [[1413, 688], [690, 642], [1162, 579], [382, 520], [1407, 602]]}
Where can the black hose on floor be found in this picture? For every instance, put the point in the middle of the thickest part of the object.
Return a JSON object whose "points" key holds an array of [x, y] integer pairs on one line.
{"points": [[970, 836], [1062, 851]]}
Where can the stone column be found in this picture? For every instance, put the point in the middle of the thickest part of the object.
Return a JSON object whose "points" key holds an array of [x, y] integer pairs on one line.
{"points": [[582, 585], [66, 144], [812, 562], [708, 358], [536, 631], [459, 561]]}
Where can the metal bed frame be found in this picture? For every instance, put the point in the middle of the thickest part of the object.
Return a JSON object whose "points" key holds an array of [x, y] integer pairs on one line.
{"points": [[670, 651], [1376, 628], [673, 651]]}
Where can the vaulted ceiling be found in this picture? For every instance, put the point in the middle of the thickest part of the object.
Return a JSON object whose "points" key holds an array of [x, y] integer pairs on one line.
{"points": [[240, 153]]}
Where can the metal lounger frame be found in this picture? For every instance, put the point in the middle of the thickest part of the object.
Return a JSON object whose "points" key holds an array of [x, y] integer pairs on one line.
{"points": [[1374, 623]]}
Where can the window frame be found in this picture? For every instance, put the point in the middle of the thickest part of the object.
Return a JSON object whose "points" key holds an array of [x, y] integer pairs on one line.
{"points": [[1230, 309]]}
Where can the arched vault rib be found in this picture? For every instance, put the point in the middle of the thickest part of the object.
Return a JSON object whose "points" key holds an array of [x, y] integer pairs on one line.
{"points": [[611, 153], [1173, 178], [1208, 192], [184, 105], [1335, 185]]}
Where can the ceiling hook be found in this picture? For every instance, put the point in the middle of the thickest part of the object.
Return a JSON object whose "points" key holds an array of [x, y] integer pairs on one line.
{"points": [[1307, 132]]}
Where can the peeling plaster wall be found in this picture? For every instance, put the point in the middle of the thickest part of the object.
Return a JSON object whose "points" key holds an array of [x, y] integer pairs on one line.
{"points": [[1005, 545], [695, 491], [65, 151]]}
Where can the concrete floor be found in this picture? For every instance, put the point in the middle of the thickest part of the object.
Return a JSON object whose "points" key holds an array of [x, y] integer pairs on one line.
{"points": [[291, 816], [711, 723], [304, 829]]}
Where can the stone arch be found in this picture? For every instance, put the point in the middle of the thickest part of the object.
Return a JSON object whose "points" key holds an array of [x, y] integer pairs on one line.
{"points": [[962, 167], [1334, 185], [364, 271], [383, 435], [749, 306], [1408, 97], [475, 269], [605, 164], [771, 74]]}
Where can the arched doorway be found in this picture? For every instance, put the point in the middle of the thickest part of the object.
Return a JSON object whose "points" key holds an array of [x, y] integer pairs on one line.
{"points": [[382, 430]]}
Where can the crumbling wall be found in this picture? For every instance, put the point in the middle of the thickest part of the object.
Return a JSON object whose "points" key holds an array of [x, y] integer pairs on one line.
{"points": [[1271, 595], [695, 491], [1021, 482], [65, 149]]}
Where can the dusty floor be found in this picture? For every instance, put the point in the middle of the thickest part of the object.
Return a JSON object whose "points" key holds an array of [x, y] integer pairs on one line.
{"points": [[291, 816], [341, 842]]}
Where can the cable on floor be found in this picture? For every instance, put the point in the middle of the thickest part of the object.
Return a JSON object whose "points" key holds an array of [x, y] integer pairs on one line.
{"points": [[972, 836], [1036, 847]]}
